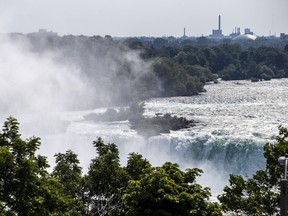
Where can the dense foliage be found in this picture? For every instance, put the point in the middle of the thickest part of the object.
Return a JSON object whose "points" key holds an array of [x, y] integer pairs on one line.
{"points": [[258, 195], [229, 61], [167, 190], [26, 188]]}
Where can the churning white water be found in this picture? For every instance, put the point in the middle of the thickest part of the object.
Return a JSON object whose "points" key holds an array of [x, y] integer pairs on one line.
{"points": [[235, 119]]}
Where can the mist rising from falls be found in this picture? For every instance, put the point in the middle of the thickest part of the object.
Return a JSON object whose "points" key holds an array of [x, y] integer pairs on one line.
{"points": [[34, 83], [43, 78], [43, 75]]}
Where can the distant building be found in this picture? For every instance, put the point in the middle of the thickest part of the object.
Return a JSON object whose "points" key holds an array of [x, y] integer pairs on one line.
{"points": [[184, 35], [235, 33], [248, 31], [217, 33], [248, 35]]}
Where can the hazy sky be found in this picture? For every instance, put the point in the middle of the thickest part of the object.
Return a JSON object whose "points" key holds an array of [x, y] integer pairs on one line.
{"points": [[143, 18]]}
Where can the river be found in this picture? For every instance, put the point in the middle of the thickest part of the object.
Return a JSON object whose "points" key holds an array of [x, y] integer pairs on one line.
{"points": [[235, 119]]}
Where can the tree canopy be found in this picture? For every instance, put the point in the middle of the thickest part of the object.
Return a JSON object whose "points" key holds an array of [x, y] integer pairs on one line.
{"points": [[27, 188], [167, 190]]}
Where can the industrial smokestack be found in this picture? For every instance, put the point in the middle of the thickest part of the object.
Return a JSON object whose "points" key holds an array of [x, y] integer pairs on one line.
{"points": [[219, 23]]}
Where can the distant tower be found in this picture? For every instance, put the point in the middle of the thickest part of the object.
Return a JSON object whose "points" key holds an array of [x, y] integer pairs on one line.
{"points": [[217, 33], [238, 31], [184, 35]]}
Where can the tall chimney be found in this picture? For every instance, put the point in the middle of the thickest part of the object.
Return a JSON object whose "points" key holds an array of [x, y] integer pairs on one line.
{"points": [[219, 23]]}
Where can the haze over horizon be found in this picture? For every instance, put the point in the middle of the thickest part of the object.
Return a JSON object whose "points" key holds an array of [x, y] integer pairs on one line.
{"points": [[143, 18]]}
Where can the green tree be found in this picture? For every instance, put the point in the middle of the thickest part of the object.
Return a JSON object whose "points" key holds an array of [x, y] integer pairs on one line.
{"points": [[264, 72], [174, 78], [181, 57], [286, 48], [20, 171], [137, 166], [68, 172], [258, 195], [167, 190], [25, 186], [106, 181], [203, 73], [231, 72], [253, 196]]}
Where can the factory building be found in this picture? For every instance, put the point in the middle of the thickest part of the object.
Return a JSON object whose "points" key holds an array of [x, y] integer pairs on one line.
{"points": [[236, 32], [248, 31], [217, 33]]}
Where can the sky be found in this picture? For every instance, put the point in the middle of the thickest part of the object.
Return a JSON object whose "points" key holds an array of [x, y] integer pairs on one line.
{"points": [[128, 18]]}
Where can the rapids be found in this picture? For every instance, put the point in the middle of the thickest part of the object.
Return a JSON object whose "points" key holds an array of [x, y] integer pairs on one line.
{"points": [[235, 119]]}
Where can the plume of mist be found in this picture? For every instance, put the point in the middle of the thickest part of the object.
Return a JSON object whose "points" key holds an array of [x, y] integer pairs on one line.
{"points": [[117, 75], [42, 74], [42, 77], [33, 83]]}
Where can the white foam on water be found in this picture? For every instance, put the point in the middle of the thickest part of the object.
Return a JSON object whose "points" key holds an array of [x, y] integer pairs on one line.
{"points": [[234, 119]]}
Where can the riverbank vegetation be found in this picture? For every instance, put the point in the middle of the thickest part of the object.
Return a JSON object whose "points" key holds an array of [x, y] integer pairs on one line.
{"points": [[228, 61]]}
